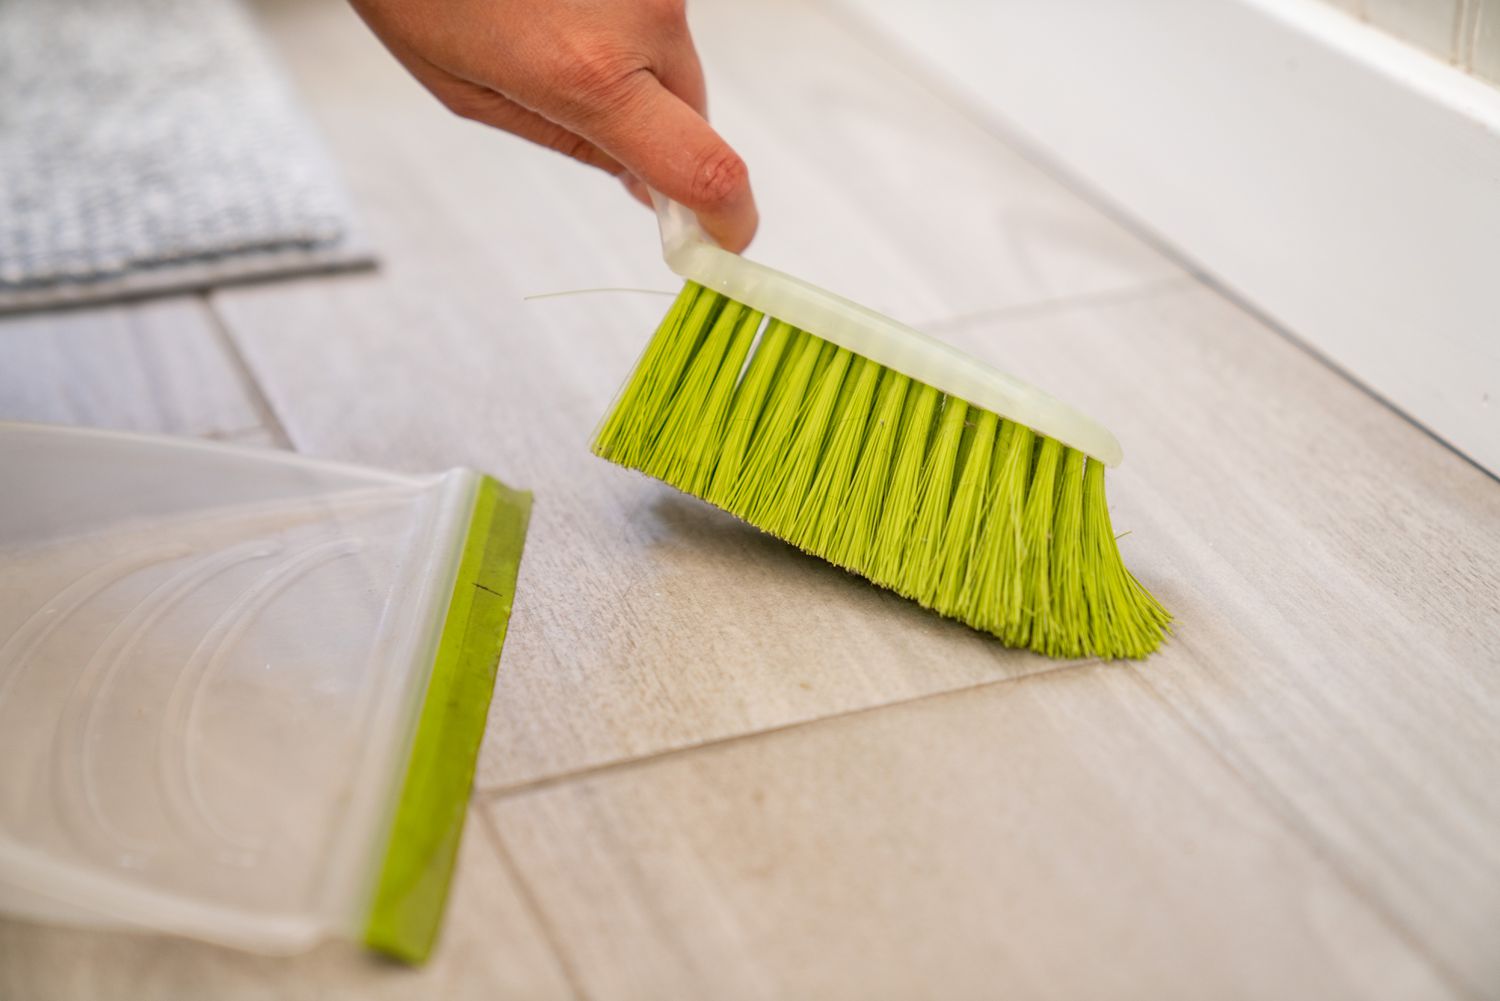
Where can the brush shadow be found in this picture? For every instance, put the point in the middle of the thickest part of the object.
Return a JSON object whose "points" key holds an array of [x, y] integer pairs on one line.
{"points": [[716, 538]]}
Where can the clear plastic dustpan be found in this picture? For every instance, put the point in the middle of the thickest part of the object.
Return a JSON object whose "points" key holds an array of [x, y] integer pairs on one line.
{"points": [[241, 692]]}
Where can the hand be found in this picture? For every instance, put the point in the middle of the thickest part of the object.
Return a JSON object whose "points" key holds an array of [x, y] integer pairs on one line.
{"points": [[614, 83]]}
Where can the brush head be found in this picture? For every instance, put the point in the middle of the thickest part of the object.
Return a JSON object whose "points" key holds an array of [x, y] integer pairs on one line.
{"points": [[962, 509], [690, 253]]}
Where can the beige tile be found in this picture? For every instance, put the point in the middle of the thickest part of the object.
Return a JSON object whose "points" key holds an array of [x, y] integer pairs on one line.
{"points": [[490, 948], [1336, 577], [1057, 837], [158, 365]]}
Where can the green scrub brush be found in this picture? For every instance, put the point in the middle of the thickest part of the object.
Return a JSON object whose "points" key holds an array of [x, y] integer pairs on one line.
{"points": [[881, 450]]}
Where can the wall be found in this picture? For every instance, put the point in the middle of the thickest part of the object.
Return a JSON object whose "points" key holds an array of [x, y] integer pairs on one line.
{"points": [[1342, 182], [1465, 33]]}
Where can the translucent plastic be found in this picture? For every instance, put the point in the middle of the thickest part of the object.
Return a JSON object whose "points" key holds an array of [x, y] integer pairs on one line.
{"points": [[692, 254], [211, 662]]}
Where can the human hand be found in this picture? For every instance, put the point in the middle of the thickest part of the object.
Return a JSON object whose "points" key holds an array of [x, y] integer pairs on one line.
{"points": [[613, 83]]}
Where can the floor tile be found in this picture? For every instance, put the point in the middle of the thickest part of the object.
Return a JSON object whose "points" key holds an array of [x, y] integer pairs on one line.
{"points": [[1062, 836]]}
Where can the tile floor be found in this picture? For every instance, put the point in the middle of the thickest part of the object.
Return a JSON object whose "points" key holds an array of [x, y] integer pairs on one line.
{"points": [[717, 769]]}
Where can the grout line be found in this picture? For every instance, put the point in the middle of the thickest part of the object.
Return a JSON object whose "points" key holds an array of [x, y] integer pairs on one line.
{"points": [[258, 399], [1297, 824], [1068, 303], [998, 127], [496, 793], [532, 903]]}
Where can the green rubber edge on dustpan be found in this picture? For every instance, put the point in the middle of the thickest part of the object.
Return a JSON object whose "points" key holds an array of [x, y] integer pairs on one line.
{"points": [[407, 907]]}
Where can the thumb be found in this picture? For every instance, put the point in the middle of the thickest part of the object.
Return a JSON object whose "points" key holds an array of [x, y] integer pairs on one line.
{"points": [[665, 143]]}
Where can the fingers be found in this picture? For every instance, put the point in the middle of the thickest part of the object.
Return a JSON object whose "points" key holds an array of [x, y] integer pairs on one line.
{"points": [[661, 140], [637, 189], [617, 86], [680, 72], [480, 104]]}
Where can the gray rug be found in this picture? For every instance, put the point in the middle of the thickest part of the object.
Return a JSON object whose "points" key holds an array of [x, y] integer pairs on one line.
{"points": [[153, 145]]}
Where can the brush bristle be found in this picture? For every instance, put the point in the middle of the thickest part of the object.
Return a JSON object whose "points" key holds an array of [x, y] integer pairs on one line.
{"points": [[975, 517]]}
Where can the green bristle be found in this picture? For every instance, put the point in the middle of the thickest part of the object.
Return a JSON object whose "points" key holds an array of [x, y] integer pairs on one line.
{"points": [[709, 435], [623, 425], [998, 547], [827, 355], [961, 535], [786, 379], [1010, 582], [965, 443], [1126, 620], [749, 402], [893, 537], [661, 374], [864, 500], [924, 563], [1034, 627], [774, 433], [1069, 615], [799, 466], [691, 433], [823, 512], [979, 518]]}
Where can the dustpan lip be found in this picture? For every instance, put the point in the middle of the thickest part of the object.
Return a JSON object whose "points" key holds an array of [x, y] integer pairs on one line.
{"points": [[276, 456]]}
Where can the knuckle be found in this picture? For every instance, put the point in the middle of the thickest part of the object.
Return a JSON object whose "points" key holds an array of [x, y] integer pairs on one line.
{"points": [[594, 75], [720, 177], [462, 109], [573, 146], [579, 149], [463, 104]]}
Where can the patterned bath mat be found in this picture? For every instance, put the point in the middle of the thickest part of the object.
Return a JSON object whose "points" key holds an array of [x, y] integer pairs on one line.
{"points": [[150, 146]]}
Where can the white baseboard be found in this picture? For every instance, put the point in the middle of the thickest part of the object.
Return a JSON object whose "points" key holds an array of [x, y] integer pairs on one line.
{"points": [[1345, 184]]}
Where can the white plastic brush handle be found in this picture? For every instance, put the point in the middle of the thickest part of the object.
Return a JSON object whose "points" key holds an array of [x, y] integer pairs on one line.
{"points": [[692, 254]]}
